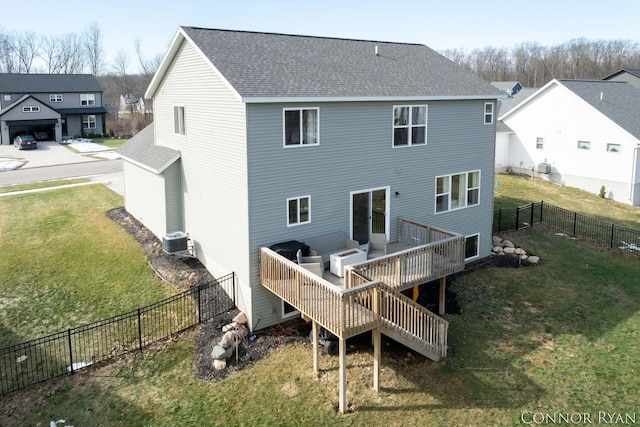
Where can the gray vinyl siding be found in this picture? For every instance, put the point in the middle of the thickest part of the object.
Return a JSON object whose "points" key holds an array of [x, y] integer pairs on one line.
{"points": [[214, 164], [355, 153], [173, 197]]}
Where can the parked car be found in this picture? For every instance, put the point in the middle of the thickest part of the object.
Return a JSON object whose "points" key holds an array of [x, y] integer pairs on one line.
{"points": [[41, 136], [25, 141]]}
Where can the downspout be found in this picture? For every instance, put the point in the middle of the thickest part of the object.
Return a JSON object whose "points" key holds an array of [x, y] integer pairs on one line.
{"points": [[633, 173]]}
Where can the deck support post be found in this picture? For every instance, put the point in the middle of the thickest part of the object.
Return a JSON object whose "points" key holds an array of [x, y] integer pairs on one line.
{"points": [[441, 303], [314, 332], [342, 375], [416, 293], [376, 358]]}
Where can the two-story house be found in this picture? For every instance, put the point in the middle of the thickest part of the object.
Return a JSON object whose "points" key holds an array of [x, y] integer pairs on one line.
{"points": [[261, 140], [55, 105]]}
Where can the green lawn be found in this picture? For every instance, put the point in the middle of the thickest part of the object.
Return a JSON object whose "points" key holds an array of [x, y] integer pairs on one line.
{"points": [[111, 142], [561, 337], [64, 263]]}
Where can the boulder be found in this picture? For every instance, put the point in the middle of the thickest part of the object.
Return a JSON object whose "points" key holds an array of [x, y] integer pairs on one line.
{"points": [[218, 353], [497, 249], [231, 326], [496, 240], [534, 259], [241, 318], [228, 339], [508, 244], [509, 250], [524, 257], [520, 251], [220, 364]]}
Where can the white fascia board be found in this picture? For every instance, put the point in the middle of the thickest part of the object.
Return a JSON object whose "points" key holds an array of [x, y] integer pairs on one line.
{"points": [[164, 65], [316, 99], [150, 169], [529, 99]]}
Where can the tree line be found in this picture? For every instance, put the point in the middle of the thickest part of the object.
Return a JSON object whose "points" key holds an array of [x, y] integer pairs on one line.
{"points": [[534, 65]]}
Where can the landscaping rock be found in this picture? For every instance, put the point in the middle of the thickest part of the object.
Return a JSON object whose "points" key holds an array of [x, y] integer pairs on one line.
{"points": [[220, 364], [509, 250], [241, 318], [520, 251], [498, 249], [496, 240], [508, 244], [534, 259], [218, 353]]}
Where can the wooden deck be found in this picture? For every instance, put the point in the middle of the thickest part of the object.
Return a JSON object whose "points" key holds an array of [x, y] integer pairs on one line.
{"points": [[368, 298]]}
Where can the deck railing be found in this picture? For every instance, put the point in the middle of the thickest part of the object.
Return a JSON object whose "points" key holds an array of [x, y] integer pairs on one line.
{"points": [[431, 253], [338, 310]]}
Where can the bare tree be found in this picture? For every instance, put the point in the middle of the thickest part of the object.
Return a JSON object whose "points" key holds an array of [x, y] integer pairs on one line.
{"points": [[26, 46], [94, 48], [8, 58], [148, 67]]}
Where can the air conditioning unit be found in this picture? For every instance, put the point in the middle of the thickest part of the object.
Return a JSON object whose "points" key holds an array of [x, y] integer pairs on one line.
{"points": [[544, 168], [178, 241]]}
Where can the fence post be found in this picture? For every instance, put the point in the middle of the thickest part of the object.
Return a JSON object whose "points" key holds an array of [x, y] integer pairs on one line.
{"points": [[533, 206], [199, 305], [541, 205], [70, 349], [139, 330], [575, 220], [517, 218], [612, 230]]}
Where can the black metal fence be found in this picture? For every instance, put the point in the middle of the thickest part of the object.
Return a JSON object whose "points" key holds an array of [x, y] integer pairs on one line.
{"points": [[41, 359], [578, 225]]}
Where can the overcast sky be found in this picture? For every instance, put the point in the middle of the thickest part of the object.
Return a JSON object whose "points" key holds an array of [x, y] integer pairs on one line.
{"points": [[463, 24]]}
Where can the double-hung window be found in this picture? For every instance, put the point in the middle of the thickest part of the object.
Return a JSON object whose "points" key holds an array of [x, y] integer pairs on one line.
{"points": [[301, 126], [178, 120], [488, 113], [409, 125], [540, 143], [56, 97], [457, 191], [87, 99], [89, 122], [298, 210]]}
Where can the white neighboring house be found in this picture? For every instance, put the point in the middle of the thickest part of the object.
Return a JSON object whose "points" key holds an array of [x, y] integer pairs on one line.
{"points": [[579, 133]]}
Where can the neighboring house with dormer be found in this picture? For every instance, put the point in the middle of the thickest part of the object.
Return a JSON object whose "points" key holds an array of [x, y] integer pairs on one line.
{"points": [[58, 105], [579, 133], [263, 138]]}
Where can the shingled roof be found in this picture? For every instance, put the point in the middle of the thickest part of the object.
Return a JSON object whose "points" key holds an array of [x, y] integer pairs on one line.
{"points": [[142, 150], [264, 66], [48, 83]]}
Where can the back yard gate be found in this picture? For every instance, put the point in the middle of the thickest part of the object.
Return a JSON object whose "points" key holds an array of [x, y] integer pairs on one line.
{"points": [[41, 359]]}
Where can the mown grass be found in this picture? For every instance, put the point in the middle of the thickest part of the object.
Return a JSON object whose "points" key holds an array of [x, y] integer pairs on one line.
{"points": [[561, 337], [41, 184], [111, 142], [64, 263], [517, 190]]}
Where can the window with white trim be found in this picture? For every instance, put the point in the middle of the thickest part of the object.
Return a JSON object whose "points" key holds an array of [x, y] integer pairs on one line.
{"points": [[55, 97], [7, 97], [540, 143], [584, 145], [613, 148], [178, 120], [457, 191], [31, 109], [89, 122], [87, 99], [471, 246], [488, 113], [298, 210], [409, 125], [288, 310], [301, 126]]}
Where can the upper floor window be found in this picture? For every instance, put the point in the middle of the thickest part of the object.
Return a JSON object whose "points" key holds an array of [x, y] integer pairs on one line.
{"points": [[87, 99], [55, 97], [301, 126], [488, 113], [298, 210], [409, 125], [457, 191], [539, 143], [613, 148], [7, 97], [31, 109], [89, 122], [584, 145], [178, 120]]}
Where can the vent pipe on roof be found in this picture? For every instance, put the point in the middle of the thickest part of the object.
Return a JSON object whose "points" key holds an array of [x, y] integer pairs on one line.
{"points": [[601, 96], [376, 50]]}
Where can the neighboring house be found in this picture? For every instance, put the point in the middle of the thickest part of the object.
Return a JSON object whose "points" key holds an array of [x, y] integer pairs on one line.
{"points": [[579, 133], [53, 104], [132, 103], [264, 138], [629, 75], [510, 88]]}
